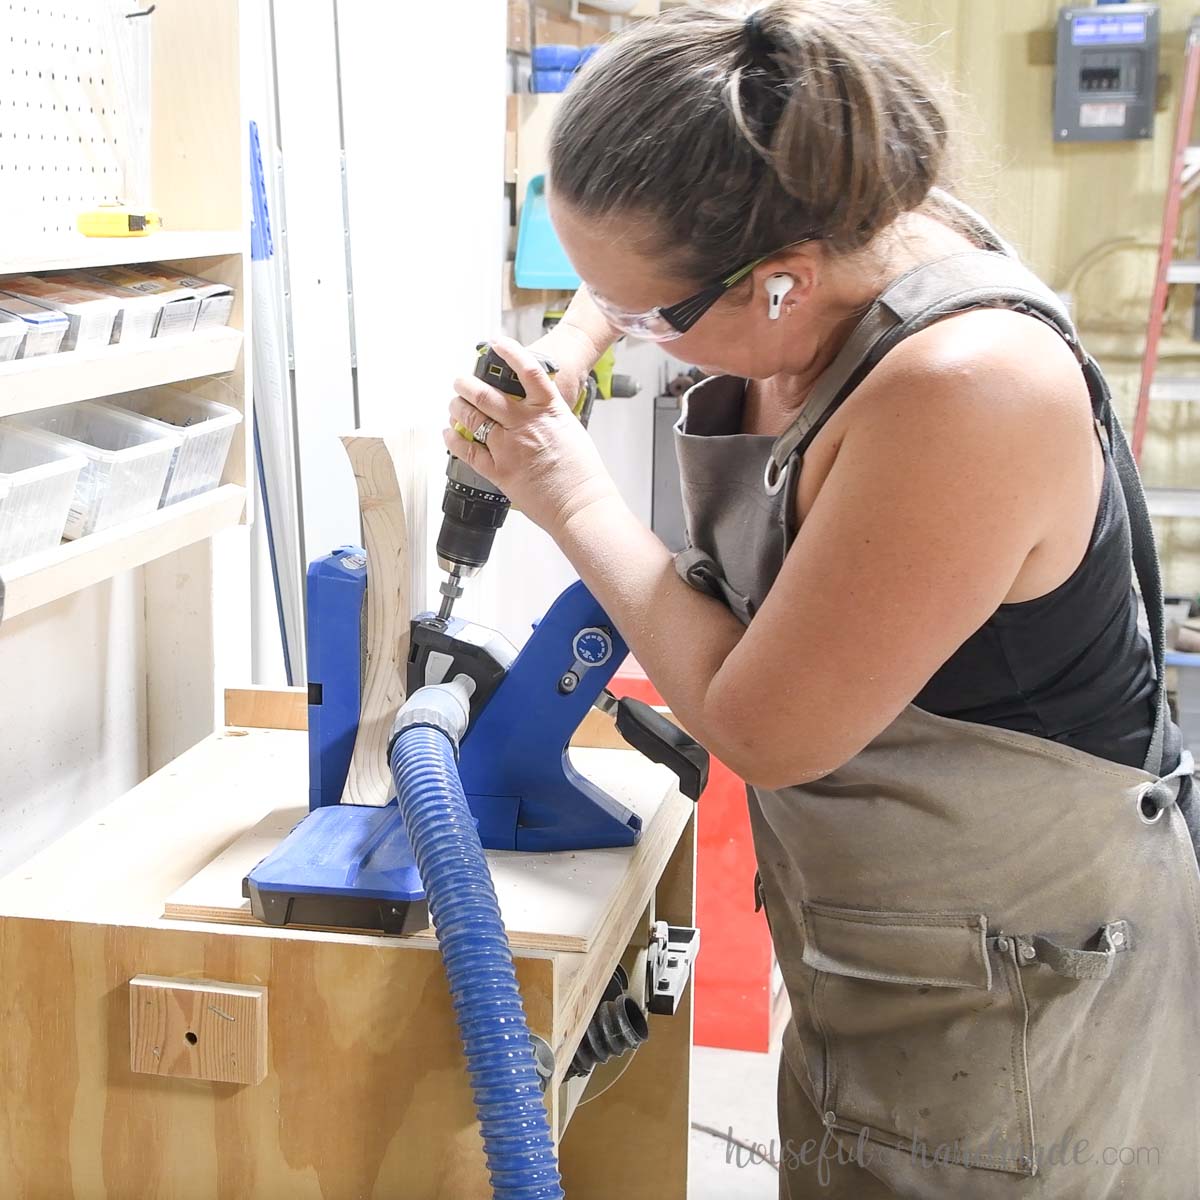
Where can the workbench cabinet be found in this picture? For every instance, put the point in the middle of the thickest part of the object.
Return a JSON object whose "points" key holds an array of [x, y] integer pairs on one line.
{"points": [[145, 1055]]}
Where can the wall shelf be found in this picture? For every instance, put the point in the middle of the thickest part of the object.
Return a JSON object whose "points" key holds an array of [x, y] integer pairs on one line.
{"points": [[73, 251], [42, 578], [32, 383]]}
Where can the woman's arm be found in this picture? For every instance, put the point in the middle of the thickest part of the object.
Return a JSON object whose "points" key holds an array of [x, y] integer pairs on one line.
{"points": [[932, 506]]}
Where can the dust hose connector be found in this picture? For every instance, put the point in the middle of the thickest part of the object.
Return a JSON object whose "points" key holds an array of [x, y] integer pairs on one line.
{"points": [[617, 1026], [442, 706], [475, 951]]}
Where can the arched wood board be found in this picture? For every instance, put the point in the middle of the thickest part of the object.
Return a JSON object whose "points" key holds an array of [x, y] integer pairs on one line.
{"points": [[385, 538]]}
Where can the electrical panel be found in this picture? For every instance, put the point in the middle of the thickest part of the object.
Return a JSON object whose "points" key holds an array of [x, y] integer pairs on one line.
{"points": [[1107, 73]]}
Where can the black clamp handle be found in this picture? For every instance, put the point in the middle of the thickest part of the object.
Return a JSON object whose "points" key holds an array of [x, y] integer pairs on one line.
{"points": [[662, 741]]}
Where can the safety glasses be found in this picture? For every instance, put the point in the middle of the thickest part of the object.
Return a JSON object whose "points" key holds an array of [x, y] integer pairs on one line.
{"points": [[666, 324]]}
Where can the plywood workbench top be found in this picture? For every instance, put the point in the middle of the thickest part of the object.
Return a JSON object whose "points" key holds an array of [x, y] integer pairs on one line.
{"points": [[179, 845]]}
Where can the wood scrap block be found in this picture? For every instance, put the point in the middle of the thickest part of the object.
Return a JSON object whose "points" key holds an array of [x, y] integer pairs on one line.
{"points": [[389, 608], [198, 1029], [267, 708]]}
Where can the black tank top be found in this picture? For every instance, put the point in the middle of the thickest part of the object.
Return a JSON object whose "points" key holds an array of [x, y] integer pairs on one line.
{"points": [[1071, 665]]}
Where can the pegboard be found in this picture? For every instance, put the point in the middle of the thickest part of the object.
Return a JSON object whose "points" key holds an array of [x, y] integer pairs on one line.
{"points": [[74, 110]]}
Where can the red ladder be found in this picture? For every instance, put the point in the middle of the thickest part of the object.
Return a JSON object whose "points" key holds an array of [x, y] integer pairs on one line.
{"points": [[1184, 179]]}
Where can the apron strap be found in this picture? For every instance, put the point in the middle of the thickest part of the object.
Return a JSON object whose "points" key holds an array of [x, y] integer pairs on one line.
{"points": [[946, 287], [1145, 554], [835, 383]]}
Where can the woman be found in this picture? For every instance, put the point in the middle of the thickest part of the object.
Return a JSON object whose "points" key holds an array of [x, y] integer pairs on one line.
{"points": [[906, 616]]}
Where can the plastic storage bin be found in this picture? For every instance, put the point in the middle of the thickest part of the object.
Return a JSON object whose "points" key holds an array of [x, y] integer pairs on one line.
{"points": [[205, 428], [127, 462], [44, 328], [38, 476], [12, 334]]}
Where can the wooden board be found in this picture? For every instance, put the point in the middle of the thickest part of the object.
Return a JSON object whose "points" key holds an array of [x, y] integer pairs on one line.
{"points": [[198, 140], [568, 900], [385, 538], [267, 707], [198, 1029], [366, 1095]]}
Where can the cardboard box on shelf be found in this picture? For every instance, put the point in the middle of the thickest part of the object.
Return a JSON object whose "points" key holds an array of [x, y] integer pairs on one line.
{"points": [[137, 315], [553, 29], [592, 32], [179, 305], [518, 26], [89, 315], [216, 299]]}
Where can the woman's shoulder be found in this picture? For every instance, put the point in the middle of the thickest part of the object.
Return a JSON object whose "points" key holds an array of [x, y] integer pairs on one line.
{"points": [[985, 367]]}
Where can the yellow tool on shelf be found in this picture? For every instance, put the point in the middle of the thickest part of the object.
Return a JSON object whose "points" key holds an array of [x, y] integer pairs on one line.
{"points": [[117, 221]]}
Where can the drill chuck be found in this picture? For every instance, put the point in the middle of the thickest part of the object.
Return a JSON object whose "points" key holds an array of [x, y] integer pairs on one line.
{"points": [[472, 512]]}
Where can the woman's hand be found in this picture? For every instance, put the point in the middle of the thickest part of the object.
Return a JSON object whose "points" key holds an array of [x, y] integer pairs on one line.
{"points": [[537, 452], [572, 353]]}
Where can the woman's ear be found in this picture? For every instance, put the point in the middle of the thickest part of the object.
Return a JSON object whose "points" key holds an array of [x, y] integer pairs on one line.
{"points": [[783, 282], [777, 286]]}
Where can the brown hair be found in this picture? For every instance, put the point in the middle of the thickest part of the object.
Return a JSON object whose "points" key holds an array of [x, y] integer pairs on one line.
{"points": [[735, 132]]}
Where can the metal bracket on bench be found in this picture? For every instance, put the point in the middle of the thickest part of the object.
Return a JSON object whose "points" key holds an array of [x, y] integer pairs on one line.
{"points": [[673, 949]]}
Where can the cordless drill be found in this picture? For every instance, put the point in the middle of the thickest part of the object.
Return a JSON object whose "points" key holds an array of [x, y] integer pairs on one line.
{"points": [[473, 508]]}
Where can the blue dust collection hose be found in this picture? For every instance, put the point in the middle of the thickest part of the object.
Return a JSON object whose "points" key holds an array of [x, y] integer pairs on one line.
{"points": [[479, 966]]}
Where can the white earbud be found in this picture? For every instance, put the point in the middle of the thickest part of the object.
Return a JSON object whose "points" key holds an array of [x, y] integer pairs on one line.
{"points": [[777, 286]]}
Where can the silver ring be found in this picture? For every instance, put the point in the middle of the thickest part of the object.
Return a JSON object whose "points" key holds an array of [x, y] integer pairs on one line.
{"points": [[484, 431], [773, 477], [1143, 816]]}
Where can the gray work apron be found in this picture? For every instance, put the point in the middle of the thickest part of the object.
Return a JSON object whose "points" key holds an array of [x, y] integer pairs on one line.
{"points": [[991, 941]]}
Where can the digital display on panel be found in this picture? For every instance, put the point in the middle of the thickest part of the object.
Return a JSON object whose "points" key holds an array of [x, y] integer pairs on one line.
{"points": [[1109, 30]]}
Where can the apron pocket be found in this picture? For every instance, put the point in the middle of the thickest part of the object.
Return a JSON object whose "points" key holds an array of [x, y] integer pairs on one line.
{"points": [[923, 1018]]}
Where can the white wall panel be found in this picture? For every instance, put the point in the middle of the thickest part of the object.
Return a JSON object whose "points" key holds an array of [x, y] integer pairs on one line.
{"points": [[424, 126], [306, 70], [73, 718]]}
